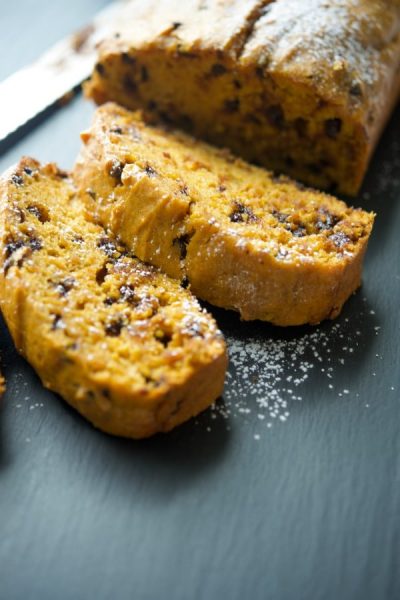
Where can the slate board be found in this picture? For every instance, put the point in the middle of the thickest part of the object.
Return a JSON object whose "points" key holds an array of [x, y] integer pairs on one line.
{"points": [[300, 505]]}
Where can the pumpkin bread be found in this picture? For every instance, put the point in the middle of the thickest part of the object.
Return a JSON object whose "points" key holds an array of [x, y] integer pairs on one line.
{"points": [[242, 238], [126, 346], [303, 87]]}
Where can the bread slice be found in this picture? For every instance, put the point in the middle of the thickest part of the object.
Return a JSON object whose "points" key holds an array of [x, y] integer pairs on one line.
{"points": [[126, 346], [244, 240], [301, 87]]}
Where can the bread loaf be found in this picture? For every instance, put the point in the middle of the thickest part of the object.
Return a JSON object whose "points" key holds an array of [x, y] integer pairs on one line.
{"points": [[303, 87], [242, 238], [126, 346]]}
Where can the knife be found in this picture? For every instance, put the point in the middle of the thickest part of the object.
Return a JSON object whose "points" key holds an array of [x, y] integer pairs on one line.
{"points": [[62, 68]]}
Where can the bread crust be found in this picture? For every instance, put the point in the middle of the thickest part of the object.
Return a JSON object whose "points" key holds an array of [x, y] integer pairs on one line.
{"points": [[123, 344], [303, 88], [244, 239]]}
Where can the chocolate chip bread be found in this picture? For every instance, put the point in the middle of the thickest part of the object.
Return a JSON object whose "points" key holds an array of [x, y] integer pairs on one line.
{"points": [[303, 87], [244, 239], [126, 346]]}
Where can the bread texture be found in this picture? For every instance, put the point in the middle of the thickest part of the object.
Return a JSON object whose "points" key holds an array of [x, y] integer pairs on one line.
{"points": [[303, 87], [125, 345], [243, 239]]}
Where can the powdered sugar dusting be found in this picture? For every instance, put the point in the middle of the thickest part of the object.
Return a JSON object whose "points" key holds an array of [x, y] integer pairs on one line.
{"points": [[269, 375]]}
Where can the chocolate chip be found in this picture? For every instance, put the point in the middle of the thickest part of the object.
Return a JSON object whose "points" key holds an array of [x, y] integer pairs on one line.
{"points": [[17, 179], [128, 294], [163, 337], [144, 74], [356, 89], [129, 84], [101, 274], [110, 301], [114, 326], [12, 246], [185, 282], [218, 69], [275, 116], [116, 130], [231, 105], [182, 242], [28, 171], [100, 68], [91, 193], [116, 169], [150, 381], [58, 323], [339, 238], [35, 244], [184, 189], [127, 58], [176, 25], [281, 217], [326, 220], [222, 188], [63, 287], [39, 212], [108, 247], [242, 214], [150, 171], [333, 127], [299, 231]]}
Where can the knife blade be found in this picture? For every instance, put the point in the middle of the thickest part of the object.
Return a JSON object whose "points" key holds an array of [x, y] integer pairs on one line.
{"points": [[62, 68]]}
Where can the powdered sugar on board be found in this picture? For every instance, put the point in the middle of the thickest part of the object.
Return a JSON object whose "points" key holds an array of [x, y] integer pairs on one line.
{"points": [[270, 374]]}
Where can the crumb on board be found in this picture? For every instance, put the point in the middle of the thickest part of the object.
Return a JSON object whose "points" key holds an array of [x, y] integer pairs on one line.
{"points": [[2, 385]]}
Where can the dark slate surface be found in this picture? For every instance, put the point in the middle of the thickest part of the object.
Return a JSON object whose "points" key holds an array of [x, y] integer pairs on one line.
{"points": [[224, 507]]}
